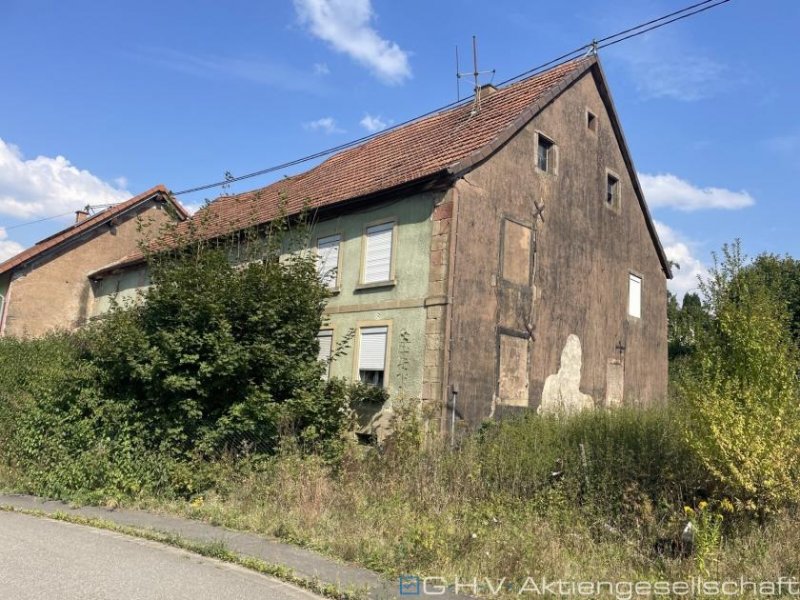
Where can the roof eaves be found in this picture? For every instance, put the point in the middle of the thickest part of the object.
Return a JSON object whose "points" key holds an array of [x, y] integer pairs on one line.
{"points": [[605, 93]]}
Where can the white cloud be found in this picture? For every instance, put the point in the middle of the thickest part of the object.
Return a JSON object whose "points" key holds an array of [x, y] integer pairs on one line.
{"points": [[681, 251], [668, 191], [8, 248], [325, 124], [374, 124], [253, 69], [45, 186], [688, 79], [321, 69], [346, 26]]}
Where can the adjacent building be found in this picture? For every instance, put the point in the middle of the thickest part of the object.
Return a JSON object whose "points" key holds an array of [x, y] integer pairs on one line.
{"points": [[47, 287]]}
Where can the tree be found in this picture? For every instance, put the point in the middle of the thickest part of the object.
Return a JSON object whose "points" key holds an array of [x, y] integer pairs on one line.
{"points": [[741, 389], [684, 323], [223, 350]]}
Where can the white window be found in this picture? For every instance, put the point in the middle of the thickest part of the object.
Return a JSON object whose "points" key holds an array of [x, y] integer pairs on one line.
{"points": [[634, 295], [328, 260], [325, 339], [372, 354], [378, 253]]}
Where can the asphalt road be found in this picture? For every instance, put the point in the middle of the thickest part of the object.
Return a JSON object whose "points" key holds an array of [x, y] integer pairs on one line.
{"points": [[42, 559]]}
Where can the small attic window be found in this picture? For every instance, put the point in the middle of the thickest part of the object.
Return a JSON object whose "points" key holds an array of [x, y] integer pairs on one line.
{"points": [[612, 191], [545, 154], [591, 121]]}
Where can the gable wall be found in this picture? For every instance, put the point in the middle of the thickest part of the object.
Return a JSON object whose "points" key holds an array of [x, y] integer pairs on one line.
{"points": [[583, 254], [55, 292]]}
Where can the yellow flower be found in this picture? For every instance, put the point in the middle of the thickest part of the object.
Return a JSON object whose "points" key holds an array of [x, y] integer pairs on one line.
{"points": [[688, 510], [702, 505], [726, 505], [197, 502]]}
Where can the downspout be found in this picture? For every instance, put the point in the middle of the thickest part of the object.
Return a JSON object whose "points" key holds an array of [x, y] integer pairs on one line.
{"points": [[448, 332]]}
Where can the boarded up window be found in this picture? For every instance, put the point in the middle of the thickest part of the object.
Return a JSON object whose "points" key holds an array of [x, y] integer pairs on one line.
{"points": [[634, 295], [378, 253], [516, 265], [325, 338], [513, 376], [328, 260]]}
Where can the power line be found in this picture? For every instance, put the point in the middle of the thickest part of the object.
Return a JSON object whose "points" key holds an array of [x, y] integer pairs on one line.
{"points": [[629, 33], [610, 40], [643, 31], [40, 220]]}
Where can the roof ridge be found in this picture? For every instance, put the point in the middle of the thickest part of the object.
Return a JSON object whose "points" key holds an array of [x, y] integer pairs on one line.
{"points": [[76, 229]]}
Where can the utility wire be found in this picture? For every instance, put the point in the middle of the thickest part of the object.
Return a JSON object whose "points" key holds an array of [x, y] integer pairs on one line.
{"points": [[643, 31], [629, 33], [39, 220], [610, 40]]}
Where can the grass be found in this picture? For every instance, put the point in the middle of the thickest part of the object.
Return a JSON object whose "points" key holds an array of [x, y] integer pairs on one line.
{"points": [[593, 497], [493, 508]]}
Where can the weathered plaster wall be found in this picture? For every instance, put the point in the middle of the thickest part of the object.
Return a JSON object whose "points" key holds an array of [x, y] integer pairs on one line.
{"points": [[401, 306], [55, 292], [584, 252], [124, 287]]}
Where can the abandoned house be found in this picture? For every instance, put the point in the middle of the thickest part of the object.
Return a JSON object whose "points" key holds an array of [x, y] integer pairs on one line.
{"points": [[47, 286], [496, 255], [489, 256]]}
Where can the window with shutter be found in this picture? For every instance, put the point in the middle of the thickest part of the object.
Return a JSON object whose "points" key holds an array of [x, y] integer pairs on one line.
{"points": [[634, 295], [372, 354], [378, 253], [325, 339], [328, 260]]}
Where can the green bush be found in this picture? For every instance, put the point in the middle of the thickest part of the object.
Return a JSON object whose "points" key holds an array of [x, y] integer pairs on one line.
{"points": [[741, 392], [220, 358]]}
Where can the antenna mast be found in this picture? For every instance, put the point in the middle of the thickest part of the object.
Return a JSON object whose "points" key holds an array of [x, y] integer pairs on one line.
{"points": [[476, 108]]}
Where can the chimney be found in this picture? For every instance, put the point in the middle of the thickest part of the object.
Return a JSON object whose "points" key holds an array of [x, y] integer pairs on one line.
{"points": [[81, 215], [487, 89]]}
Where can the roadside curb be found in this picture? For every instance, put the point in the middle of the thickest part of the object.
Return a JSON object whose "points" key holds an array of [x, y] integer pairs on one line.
{"points": [[301, 566]]}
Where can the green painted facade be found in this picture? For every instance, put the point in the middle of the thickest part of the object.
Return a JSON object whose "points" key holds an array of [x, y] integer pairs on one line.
{"points": [[400, 306]]}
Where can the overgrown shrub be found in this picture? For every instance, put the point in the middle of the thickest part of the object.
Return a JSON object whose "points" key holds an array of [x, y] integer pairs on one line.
{"points": [[741, 392], [219, 358]]}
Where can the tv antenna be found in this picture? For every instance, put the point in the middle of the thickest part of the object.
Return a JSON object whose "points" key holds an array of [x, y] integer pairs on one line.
{"points": [[475, 75]]}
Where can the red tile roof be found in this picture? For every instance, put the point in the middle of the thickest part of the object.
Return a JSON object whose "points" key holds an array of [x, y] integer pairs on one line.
{"points": [[78, 228], [444, 144], [423, 148]]}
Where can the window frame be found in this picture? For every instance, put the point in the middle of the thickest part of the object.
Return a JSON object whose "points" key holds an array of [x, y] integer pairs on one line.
{"points": [[616, 203], [392, 256], [387, 356], [332, 330], [552, 154], [337, 283], [592, 121], [635, 276]]}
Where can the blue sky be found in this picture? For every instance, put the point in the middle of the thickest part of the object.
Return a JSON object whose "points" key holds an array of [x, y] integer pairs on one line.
{"points": [[103, 99]]}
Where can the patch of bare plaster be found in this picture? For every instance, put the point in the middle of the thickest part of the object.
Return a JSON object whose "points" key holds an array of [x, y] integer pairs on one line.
{"points": [[561, 393]]}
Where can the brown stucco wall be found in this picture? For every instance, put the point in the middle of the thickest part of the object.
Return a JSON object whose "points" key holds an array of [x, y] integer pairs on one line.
{"points": [[54, 292], [579, 258]]}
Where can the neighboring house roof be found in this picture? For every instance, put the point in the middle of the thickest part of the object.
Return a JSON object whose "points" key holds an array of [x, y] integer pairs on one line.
{"points": [[101, 218]]}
